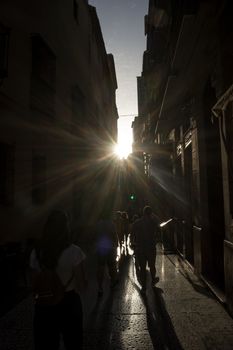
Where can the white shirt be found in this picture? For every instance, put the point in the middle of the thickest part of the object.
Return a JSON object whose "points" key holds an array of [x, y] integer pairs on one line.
{"points": [[69, 258]]}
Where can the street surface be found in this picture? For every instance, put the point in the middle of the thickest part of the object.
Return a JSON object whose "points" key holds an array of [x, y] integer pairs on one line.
{"points": [[180, 313]]}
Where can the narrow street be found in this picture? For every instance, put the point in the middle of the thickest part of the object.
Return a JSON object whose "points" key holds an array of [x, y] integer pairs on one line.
{"points": [[180, 313]]}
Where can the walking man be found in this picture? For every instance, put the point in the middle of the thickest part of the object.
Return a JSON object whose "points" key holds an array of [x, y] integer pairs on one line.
{"points": [[145, 232], [106, 249]]}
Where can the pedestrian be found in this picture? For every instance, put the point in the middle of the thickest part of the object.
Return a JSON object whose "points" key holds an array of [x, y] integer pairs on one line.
{"points": [[57, 265], [145, 234], [118, 226], [132, 236], [133, 243], [106, 249], [125, 226]]}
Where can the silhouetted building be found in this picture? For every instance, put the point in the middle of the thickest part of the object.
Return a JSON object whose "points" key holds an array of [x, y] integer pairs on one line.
{"points": [[185, 96], [58, 112]]}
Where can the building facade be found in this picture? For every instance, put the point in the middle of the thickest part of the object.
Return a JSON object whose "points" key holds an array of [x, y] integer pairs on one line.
{"points": [[185, 94], [58, 115]]}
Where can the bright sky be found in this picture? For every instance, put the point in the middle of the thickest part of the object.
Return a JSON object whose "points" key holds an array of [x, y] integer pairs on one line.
{"points": [[122, 23]]}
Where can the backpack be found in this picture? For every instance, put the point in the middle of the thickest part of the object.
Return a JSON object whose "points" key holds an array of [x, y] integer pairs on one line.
{"points": [[48, 287]]}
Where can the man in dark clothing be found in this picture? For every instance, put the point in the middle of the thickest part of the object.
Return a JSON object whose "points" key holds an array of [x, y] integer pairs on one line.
{"points": [[145, 234], [106, 249]]}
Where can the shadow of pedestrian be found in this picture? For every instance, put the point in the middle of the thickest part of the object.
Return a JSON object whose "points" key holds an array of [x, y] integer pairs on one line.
{"points": [[99, 326], [102, 327], [160, 327], [159, 323]]}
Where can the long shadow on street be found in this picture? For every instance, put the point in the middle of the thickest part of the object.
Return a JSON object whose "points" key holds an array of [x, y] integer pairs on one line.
{"points": [[160, 327], [102, 320]]}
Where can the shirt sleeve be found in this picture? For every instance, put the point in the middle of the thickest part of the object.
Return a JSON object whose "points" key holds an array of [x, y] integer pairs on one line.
{"points": [[78, 255]]}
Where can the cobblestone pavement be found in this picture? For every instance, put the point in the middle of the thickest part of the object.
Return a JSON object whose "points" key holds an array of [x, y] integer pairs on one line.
{"points": [[180, 313]]}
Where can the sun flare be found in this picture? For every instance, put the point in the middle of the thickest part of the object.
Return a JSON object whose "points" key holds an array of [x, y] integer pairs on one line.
{"points": [[123, 149]]}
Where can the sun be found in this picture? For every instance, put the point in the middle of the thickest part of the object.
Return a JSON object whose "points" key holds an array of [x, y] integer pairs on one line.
{"points": [[123, 149]]}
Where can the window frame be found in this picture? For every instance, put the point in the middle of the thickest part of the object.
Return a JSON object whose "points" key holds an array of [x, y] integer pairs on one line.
{"points": [[43, 76]]}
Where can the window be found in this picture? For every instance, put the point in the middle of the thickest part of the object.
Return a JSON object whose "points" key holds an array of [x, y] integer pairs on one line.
{"points": [[43, 78], [76, 11], [38, 179], [4, 41], [6, 173]]}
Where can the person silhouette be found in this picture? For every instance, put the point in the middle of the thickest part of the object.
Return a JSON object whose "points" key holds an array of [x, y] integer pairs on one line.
{"points": [[145, 232], [106, 250], [55, 252]]}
